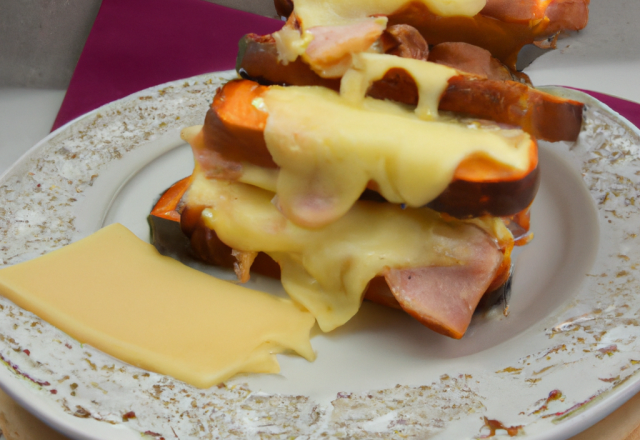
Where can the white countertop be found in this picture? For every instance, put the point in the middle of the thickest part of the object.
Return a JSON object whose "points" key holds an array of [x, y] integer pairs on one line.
{"points": [[604, 57]]}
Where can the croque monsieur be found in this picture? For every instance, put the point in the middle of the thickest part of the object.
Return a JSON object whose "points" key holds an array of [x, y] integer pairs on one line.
{"points": [[398, 175]]}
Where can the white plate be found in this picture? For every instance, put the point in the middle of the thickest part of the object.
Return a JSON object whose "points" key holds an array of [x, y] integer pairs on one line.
{"points": [[382, 374]]}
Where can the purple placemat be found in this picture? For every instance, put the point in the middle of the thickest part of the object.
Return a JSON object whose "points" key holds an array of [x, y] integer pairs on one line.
{"points": [[136, 44]]}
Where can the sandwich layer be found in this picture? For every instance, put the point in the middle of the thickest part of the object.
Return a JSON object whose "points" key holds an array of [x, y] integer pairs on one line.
{"points": [[319, 150], [330, 30], [476, 94], [327, 269]]}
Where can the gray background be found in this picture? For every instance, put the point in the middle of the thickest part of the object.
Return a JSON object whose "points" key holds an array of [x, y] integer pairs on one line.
{"points": [[41, 40]]}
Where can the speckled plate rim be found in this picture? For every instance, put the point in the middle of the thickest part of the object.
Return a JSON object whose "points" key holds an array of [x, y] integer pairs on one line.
{"points": [[21, 389], [78, 428], [619, 396], [16, 386], [609, 400]]}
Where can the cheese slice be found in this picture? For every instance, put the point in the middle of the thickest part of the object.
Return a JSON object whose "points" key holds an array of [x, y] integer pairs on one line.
{"points": [[115, 292]]}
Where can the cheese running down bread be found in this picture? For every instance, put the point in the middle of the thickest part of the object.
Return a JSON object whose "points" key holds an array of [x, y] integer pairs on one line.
{"points": [[324, 33], [480, 39], [335, 188], [382, 150]]}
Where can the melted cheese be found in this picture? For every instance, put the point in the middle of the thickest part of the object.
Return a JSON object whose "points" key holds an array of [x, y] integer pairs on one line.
{"points": [[116, 293], [431, 79], [328, 151], [313, 13], [290, 44], [327, 270], [341, 23]]}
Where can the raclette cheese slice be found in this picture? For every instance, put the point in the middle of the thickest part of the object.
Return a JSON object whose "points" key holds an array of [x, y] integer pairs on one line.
{"points": [[327, 32], [116, 293]]}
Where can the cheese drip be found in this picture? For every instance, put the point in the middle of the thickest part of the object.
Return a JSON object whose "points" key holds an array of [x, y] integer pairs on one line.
{"points": [[431, 79], [327, 270], [328, 150], [115, 292]]}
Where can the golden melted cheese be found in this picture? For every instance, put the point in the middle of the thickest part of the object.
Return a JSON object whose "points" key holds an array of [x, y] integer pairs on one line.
{"points": [[431, 79], [327, 270], [118, 294], [346, 20], [313, 13], [290, 44], [329, 149], [341, 27]]}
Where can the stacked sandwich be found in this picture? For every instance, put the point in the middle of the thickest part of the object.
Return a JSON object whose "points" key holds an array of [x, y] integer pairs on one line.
{"points": [[357, 161]]}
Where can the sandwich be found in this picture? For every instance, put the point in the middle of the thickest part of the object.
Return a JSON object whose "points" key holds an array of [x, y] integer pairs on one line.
{"points": [[481, 40], [401, 175], [354, 198], [324, 33]]}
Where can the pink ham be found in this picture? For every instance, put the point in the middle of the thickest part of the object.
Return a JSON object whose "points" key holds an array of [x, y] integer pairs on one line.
{"points": [[563, 14], [471, 59], [444, 298], [329, 53]]}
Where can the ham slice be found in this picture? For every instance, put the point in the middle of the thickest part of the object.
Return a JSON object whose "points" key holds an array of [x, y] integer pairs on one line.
{"points": [[329, 53], [441, 298], [469, 58], [444, 298]]}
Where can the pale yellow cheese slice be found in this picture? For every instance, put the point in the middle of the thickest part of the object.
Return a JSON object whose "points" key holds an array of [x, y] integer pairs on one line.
{"points": [[117, 293]]}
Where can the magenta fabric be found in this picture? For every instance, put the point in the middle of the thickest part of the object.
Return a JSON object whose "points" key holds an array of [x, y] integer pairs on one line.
{"points": [[135, 44]]}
